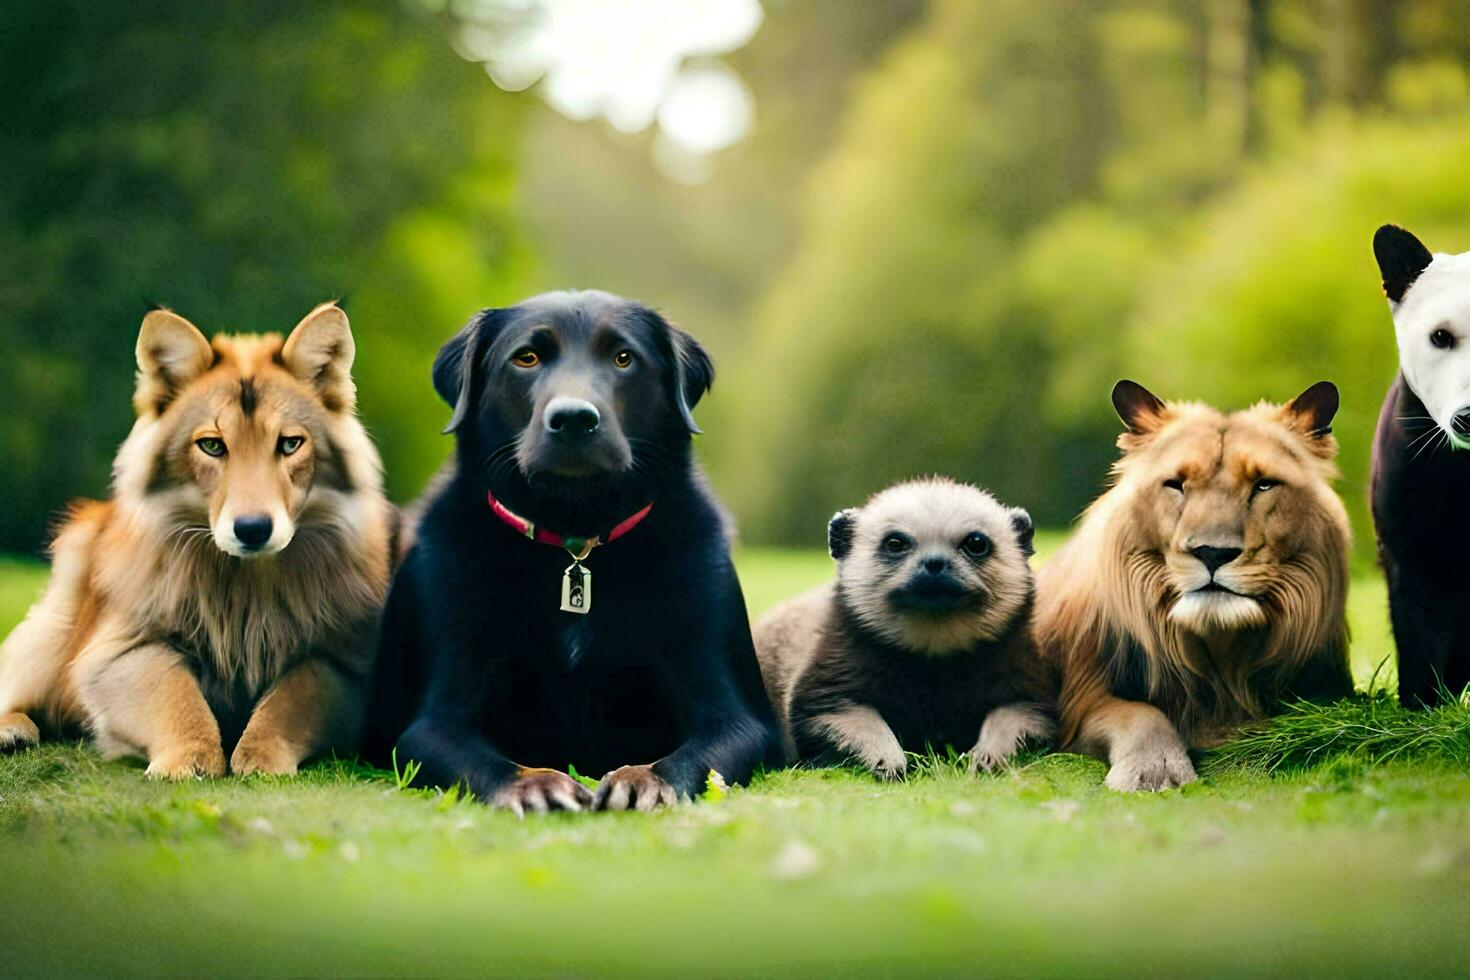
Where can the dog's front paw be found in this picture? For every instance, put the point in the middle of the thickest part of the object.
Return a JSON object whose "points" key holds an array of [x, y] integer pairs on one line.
{"points": [[634, 788], [889, 765], [1004, 732], [266, 754], [542, 791], [18, 732], [194, 760], [1155, 764]]}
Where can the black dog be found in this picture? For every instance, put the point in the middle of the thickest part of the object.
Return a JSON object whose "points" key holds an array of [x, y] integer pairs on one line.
{"points": [[500, 663]]}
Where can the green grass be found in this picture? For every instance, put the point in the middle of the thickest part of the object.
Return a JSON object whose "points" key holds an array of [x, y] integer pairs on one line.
{"points": [[1320, 858]]}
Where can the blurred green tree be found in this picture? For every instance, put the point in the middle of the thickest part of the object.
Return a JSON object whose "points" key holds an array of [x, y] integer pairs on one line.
{"points": [[239, 163]]}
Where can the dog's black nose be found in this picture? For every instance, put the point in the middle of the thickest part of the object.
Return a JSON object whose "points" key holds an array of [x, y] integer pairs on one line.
{"points": [[936, 566], [1461, 422], [253, 531], [571, 418], [1213, 558]]}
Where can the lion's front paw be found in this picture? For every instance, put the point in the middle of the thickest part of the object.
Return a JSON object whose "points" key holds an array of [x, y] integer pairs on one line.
{"points": [[268, 755], [634, 788], [542, 791], [192, 760], [18, 732], [1153, 765]]}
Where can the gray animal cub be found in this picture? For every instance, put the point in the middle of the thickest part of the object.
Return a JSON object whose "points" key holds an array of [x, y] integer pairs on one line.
{"points": [[923, 640]]}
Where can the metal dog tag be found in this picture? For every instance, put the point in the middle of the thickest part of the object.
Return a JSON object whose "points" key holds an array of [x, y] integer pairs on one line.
{"points": [[576, 589]]}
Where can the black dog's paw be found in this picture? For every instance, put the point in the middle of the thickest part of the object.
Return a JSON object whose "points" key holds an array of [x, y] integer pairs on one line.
{"points": [[634, 788], [542, 791]]}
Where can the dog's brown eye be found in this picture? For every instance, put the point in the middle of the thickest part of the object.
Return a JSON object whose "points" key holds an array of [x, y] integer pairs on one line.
{"points": [[623, 358], [1442, 339], [976, 545], [289, 444], [896, 544], [525, 358], [1175, 484], [210, 446]]}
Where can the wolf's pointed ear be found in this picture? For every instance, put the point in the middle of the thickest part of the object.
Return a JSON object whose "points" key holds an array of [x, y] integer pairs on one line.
{"points": [[1140, 409], [839, 533], [1025, 530], [171, 352], [320, 352], [1401, 258], [1311, 414], [454, 366]]}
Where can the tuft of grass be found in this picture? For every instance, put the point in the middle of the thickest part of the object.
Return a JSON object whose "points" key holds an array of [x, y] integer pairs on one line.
{"points": [[1367, 728]]}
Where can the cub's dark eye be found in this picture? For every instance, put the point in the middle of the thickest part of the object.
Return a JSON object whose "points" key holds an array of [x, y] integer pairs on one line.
{"points": [[623, 358], [1264, 484], [976, 545], [211, 446], [1442, 339], [289, 444], [1175, 484], [896, 544], [525, 358]]}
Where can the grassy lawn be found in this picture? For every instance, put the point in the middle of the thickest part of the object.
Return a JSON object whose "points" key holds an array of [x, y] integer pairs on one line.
{"points": [[1343, 868]]}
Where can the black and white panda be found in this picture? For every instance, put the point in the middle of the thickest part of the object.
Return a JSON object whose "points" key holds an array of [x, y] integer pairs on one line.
{"points": [[922, 640], [1421, 466]]}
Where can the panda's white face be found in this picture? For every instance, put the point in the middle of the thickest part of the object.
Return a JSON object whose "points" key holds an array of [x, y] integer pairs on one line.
{"points": [[1432, 322], [933, 566]]}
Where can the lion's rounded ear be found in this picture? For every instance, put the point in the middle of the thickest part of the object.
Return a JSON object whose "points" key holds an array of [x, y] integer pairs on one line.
{"points": [[1140, 409], [320, 352], [839, 533], [1311, 412], [171, 352]]}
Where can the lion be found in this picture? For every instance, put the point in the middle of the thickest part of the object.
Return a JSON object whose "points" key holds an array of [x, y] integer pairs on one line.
{"points": [[1204, 588]]}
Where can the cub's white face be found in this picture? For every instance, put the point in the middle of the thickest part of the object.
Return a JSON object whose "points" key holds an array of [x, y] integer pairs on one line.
{"points": [[1432, 322], [933, 566]]}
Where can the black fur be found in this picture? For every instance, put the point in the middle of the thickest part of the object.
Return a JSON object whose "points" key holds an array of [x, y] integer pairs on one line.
{"points": [[480, 672], [1401, 258], [1419, 487], [927, 701], [839, 533]]}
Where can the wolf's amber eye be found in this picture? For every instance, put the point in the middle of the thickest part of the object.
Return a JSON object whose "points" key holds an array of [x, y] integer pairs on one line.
{"points": [[525, 358], [976, 545], [1264, 484], [1175, 484], [289, 444], [1442, 339], [623, 358], [210, 446], [896, 544]]}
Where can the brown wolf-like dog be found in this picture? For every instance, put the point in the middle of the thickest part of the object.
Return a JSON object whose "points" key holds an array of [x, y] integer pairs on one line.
{"points": [[226, 597], [1205, 588]]}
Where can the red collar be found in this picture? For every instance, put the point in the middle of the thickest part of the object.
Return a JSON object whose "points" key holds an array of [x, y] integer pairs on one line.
{"points": [[579, 547]]}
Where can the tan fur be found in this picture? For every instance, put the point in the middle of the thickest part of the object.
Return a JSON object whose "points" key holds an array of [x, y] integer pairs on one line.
{"points": [[786, 639], [1114, 608], [147, 594]]}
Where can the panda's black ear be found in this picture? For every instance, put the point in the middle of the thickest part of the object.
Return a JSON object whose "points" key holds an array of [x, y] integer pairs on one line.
{"points": [[1401, 258], [839, 533], [1025, 531]]}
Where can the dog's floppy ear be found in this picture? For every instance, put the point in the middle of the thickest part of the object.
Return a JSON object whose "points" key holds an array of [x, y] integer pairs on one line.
{"points": [[320, 351], [693, 371], [1401, 258], [839, 533], [454, 366], [1140, 409], [171, 352], [1025, 530]]}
